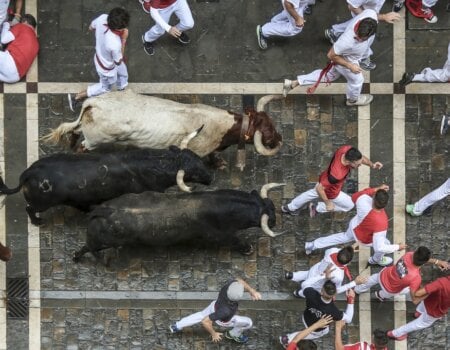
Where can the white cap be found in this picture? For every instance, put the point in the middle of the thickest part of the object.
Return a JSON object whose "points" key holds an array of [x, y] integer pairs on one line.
{"points": [[235, 291]]}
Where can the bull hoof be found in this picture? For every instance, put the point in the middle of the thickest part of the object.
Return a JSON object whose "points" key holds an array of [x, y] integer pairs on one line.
{"points": [[247, 249], [37, 221]]}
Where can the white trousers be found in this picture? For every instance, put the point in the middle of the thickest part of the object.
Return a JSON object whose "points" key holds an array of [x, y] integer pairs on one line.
{"points": [[299, 276], [312, 335], [238, 323], [435, 75], [421, 322], [439, 193], [282, 24], [349, 236], [354, 80], [374, 280], [429, 3], [181, 10], [8, 69], [120, 78], [343, 202]]}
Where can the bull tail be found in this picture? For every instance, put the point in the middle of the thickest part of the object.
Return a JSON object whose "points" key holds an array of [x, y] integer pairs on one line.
{"points": [[55, 136], [8, 191]]}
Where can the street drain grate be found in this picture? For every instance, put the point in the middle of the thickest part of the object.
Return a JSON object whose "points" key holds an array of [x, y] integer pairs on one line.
{"points": [[17, 301]]}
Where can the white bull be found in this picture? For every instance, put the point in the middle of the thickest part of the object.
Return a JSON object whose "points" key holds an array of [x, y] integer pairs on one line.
{"points": [[129, 118]]}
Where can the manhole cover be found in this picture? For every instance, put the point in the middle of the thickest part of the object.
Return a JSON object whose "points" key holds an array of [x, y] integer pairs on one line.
{"points": [[17, 298]]}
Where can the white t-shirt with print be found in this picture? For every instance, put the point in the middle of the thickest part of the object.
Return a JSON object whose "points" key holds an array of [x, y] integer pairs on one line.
{"points": [[108, 46], [347, 46]]}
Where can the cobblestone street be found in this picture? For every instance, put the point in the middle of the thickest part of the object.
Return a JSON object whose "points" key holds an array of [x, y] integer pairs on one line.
{"points": [[130, 302]]}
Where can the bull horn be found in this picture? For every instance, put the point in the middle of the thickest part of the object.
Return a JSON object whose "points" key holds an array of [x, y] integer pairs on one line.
{"points": [[265, 226], [180, 182], [265, 100], [261, 149], [267, 187], [185, 140]]}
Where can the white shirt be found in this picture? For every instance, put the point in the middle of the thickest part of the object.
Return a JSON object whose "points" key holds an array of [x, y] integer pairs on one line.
{"points": [[316, 278], [347, 46], [296, 3], [3, 10], [375, 5], [108, 46]]}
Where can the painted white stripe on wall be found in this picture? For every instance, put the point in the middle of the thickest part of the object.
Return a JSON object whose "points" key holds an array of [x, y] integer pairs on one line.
{"points": [[2, 233], [33, 231], [34, 267], [365, 328], [399, 232], [240, 88], [398, 186]]}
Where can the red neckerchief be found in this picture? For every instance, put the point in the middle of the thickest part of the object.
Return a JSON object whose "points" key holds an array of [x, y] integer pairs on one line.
{"points": [[341, 266], [372, 347], [117, 32], [324, 71]]}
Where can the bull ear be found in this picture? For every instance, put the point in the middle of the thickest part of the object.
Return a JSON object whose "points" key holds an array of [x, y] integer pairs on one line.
{"points": [[174, 148]]}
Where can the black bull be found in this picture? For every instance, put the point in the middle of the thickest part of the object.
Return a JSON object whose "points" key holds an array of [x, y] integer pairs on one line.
{"points": [[82, 180], [162, 219]]}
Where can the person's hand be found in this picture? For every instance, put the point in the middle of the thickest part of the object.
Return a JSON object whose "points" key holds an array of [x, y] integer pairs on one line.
{"points": [[216, 337], [300, 22], [443, 265], [324, 321], [175, 32], [361, 279], [383, 187], [329, 206], [354, 68], [339, 325], [124, 35], [328, 271], [350, 293], [377, 165], [255, 295], [402, 246], [390, 17]]}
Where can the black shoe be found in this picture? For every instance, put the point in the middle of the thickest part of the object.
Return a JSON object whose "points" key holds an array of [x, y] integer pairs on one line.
{"points": [[308, 10], [406, 79], [285, 209], [295, 293], [184, 39], [288, 275], [398, 5], [72, 102], [148, 47]]}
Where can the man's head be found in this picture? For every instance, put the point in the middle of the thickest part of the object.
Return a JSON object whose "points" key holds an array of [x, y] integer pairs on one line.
{"points": [[345, 255], [421, 256], [381, 199], [118, 18], [365, 28], [29, 19], [235, 291], [354, 157], [328, 290], [380, 339], [305, 344]]}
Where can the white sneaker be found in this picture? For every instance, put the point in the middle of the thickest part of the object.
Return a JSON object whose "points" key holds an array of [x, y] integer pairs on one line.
{"points": [[385, 261], [287, 86], [363, 100]]}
